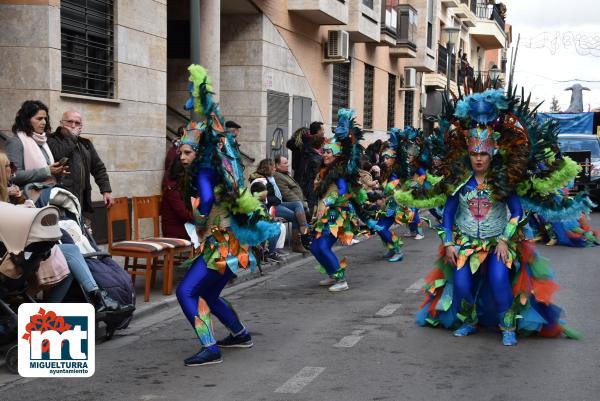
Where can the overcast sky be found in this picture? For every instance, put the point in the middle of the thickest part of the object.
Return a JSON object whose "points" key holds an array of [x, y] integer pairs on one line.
{"points": [[560, 41]]}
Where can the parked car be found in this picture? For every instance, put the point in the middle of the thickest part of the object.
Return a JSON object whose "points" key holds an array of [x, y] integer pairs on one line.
{"points": [[585, 150]]}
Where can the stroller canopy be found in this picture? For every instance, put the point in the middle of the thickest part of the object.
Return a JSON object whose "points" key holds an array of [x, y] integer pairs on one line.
{"points": [[22, 226]]}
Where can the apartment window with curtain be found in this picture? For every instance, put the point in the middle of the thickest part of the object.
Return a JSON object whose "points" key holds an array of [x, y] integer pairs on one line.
{"points": [[341, 90], [409, 102], [368, 96], [87, 48], [430, 24], [391, 103]]}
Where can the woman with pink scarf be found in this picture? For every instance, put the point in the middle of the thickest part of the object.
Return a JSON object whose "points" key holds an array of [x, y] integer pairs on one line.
{"points": [[28, 150]]}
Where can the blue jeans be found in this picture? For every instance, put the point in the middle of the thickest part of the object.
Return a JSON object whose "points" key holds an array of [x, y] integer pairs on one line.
{"points": [[289, 211], [78, 267]]}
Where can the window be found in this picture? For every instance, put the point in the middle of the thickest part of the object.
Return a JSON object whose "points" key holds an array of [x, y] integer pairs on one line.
{"points": [[87, 51], [430, 24], [409, 100], [407, 33], [368, 97], [368, 3], [391, 115], [390, 16], [341, 89]]}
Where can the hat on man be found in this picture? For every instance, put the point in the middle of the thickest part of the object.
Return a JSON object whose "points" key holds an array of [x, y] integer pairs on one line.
{"points": [[232, 124]]}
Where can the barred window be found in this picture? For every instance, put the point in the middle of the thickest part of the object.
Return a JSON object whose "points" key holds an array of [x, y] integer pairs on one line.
{"points": [[341, 89], [368, 97], [391, 101], [87, 48], [409, 101]]}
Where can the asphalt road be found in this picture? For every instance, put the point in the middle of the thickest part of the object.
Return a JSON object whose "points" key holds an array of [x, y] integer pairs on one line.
{"points": [[361, 344]]}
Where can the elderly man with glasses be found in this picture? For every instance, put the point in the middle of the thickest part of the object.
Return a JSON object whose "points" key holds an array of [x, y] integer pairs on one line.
{"points": [[83, 160]]}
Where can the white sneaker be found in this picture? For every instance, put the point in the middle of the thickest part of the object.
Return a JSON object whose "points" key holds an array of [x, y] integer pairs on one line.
{"points": [[326, 282], [339, 286], [354, 241], [419, 236]]}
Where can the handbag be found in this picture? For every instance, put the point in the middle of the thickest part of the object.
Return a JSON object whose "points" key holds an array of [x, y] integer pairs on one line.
{"points": [[8, 267], [52, 270]]}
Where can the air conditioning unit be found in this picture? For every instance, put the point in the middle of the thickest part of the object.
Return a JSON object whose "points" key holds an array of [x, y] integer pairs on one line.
{"points": [[338, 47], [410, 77]]}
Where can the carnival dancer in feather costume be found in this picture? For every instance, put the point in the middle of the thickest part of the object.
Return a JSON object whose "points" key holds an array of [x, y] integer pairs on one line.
{"points": [[398, 162], [489, 272], [564, 220], [228, 220], [340, 200]]}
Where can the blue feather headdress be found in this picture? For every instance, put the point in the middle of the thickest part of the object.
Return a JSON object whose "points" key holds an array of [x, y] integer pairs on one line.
{"points": [[482, 108]]}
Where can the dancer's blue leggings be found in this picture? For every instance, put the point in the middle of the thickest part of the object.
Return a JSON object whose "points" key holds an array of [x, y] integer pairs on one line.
{"points": [[321, 249], [205, 283], [385, 234], [414, 225], [498, 280], [206, 180]]}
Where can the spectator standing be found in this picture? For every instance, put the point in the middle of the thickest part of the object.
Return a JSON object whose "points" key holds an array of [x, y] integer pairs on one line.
{"points": [[233, 127], [296, 145], [28, 148], [311, 161], [83, 161]]}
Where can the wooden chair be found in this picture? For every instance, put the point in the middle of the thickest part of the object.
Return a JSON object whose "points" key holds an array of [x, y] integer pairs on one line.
{"points": [[149, 250], [148, 207]]}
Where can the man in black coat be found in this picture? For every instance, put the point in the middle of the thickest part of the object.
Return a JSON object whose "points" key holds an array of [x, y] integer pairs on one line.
{"points": [[310, 164], [83, 160]]}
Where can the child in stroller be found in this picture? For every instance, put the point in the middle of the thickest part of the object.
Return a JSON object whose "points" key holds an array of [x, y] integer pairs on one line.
{"points": [[26, 237], [109, 276]]}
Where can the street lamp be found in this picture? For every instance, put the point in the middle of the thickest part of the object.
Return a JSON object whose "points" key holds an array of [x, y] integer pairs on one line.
{"points": [[451, 33], [494, 74]]}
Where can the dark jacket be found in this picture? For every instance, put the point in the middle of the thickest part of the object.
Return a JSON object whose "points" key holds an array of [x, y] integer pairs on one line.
{"points": [[83, 161], [295, 145], [309, 168], [290, 190], [174, 214]]}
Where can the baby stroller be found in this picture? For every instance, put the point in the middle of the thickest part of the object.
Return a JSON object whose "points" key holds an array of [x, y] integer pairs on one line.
{"points": [[26, 237], [107, 273]]}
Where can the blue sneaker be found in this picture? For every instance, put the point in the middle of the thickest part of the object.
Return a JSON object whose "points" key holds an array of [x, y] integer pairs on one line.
{"points": [[396, 257], [241, 341], [204, 357], [509, 338], [465, 330], [389, 254]]}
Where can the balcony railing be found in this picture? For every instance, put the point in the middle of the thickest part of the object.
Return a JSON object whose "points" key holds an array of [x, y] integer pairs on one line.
{"points": [[490, 13], [497, 17]]}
